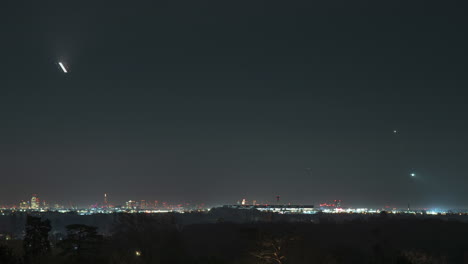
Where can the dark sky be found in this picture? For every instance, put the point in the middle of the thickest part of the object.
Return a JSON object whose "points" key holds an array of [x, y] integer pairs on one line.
{"points": [[215, 101]]}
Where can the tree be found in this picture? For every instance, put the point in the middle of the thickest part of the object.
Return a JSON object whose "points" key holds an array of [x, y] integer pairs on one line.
{"points": [[82, 243], [271, 251], [144, 238], [36, 241], [272, 248]]}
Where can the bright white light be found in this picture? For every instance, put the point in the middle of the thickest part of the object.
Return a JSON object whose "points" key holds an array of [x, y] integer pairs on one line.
{"points": [[394, 131], [63, 67], [412, 174]]}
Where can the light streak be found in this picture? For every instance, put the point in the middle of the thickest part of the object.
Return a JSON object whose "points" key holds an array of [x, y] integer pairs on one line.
{"points": [[63, 67]]}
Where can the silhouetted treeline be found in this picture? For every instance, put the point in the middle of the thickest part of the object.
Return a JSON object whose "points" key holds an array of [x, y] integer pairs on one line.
{"points": [[145, 238], [13, 224]]}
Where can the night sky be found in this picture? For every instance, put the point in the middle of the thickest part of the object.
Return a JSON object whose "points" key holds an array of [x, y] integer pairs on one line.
{"points": [[215, 101]]}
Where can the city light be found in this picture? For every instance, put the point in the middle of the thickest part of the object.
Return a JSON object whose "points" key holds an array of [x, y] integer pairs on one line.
{"points": [[34, 204]]}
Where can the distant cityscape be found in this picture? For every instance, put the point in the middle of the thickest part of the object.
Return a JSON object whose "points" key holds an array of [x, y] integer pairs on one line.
{"points": [[35, 204]]}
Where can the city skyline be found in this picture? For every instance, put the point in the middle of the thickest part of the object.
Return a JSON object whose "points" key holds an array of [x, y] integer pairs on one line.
{"points": [[38, 203]]}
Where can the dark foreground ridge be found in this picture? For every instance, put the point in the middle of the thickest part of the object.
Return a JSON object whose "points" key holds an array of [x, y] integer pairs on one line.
{"points": [[232, 236]]}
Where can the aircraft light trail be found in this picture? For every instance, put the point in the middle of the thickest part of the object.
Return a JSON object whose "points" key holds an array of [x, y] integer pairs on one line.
{"points": [[63, 67]]}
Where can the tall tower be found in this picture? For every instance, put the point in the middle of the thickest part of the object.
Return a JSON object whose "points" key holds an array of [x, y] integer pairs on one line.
{"points": [[105, 200], [277, 199]]}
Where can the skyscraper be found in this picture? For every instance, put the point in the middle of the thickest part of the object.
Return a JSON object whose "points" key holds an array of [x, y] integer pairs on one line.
{"points": [[131, 204], [105, 201], [35, 203]]}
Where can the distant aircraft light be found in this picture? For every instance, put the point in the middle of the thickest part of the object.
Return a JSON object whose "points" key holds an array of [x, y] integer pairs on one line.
{"points": [[63, 67]]}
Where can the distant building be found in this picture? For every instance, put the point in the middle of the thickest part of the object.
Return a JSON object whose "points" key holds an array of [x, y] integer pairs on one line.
{"points": [[282, 209], [335, 204], [131, 204], [35, 203], [105, 201], [24, 205]]}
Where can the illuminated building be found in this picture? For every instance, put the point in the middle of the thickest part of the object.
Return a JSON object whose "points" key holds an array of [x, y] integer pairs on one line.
{"points": [[131, 204], [332, 205], [338, 203], [35, 203], [105, 200], [281, 209], [24, 205]]}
